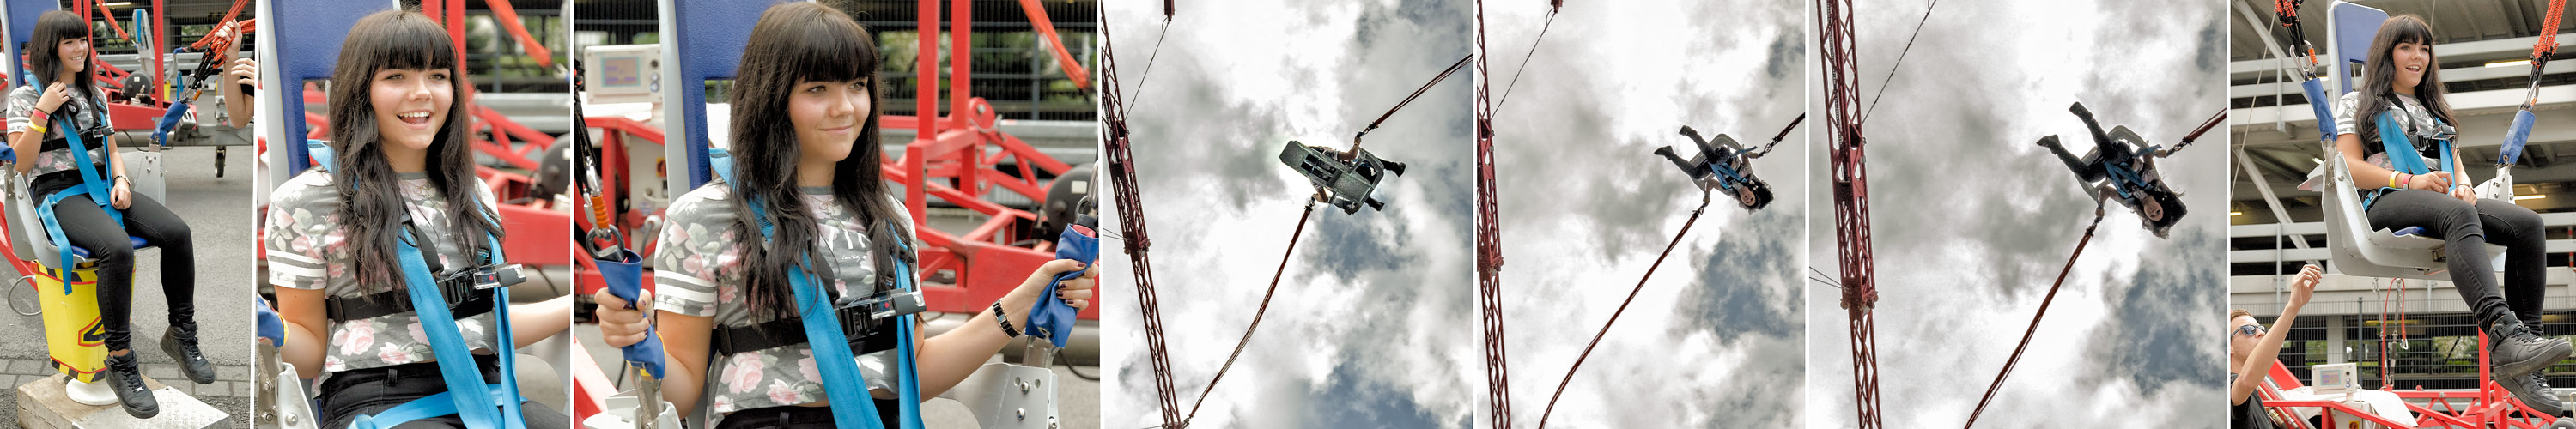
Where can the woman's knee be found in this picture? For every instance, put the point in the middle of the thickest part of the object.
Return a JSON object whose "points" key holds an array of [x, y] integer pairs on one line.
{"points": [[2507, 222]]}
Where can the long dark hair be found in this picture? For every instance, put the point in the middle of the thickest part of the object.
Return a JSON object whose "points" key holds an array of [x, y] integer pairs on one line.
{"points": [[370, 197], [795, 43], [44, 52], [2378, 90]]}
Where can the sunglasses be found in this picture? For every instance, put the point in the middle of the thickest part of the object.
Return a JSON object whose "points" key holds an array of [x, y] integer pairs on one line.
{"points": [[2250, 330]]}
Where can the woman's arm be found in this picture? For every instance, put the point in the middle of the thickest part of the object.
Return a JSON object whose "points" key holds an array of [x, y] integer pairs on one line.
{"points": [[2371, 176], [2258, 363], [684, 356], [25, 144], [947, 359], [305, 324], [2461, 181], [533, 322], [242, 71]]}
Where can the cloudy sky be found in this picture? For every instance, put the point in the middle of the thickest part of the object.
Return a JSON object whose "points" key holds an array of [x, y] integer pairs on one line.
{"points": [[1373, 325], [1973, 221], [1712, 340]]}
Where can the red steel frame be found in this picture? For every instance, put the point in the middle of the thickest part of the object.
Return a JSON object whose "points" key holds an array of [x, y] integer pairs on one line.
{"points": [[1851, 200], [2489, 406], [1489, 242]]}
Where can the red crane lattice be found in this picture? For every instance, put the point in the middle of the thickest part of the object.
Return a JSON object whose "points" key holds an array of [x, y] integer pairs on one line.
{"points": [[1131, 221], [1489, 241], [1851, 199]]}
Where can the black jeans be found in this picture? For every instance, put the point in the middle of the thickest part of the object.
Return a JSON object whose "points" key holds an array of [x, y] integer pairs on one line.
{"points": [[348, 394], [791, 416], [89, 227], [2467, 229], [2090, 166]]}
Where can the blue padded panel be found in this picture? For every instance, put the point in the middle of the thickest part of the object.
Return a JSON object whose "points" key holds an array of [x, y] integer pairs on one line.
{"points": [[309, 49], [22, 20], [2354, 26], [710, 27]]}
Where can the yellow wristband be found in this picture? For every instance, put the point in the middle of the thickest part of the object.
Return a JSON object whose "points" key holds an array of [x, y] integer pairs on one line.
{"points": [[39, 129]]}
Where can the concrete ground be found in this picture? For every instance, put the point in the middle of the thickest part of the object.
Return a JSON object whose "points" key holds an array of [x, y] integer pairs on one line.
{"points": [[218, 213]]}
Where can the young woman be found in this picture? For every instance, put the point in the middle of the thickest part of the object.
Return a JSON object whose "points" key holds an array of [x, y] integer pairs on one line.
{"points": [[2402, 89], [1731, 154], [2159, 209], [40, 124], [2251, 352], [805, 142], [405, 172]]}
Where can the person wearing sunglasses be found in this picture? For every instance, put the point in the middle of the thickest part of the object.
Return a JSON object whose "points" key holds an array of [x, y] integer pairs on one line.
{"points": [[2251, 351]]}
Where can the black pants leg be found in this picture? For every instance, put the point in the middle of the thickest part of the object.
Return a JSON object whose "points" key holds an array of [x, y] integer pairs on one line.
{"points": [[2466, 229], [2519, 231], [1687, 166], [89, 227], [2087, 167]]}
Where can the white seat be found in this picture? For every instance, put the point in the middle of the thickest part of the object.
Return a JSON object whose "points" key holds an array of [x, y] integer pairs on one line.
{"points": [[2360, 250], [27, 232]]}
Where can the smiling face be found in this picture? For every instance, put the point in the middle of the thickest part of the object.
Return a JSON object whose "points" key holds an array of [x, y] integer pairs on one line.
{"points": [[2412, 58], [828, 116], [75, 54], [410, 105]]}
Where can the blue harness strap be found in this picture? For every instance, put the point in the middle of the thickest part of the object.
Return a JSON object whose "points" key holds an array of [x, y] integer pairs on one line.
{"points": [[842, 382], [908, 389], [498, 409], [2402, 155], [426, 407], [2126, 172], [1728, 176], [91, 184]]}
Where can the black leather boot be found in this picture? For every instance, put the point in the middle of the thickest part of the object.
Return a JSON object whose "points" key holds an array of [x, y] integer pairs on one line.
{"points": [[127, 379], [181, 343]]}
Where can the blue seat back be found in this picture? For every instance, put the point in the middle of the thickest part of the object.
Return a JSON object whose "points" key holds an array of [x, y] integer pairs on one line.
{"points": [[309, 48], [715, 32], [2351, 28], [22, 26]]}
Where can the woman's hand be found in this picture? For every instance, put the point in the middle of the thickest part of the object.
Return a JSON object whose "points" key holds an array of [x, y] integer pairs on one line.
{"points": [[53, 99], [2438, 181], [1075, 292], [620, 326], [122, 194], [2465, 194]]}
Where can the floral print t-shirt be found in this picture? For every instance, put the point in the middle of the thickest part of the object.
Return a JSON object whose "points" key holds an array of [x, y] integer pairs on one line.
{"points": [[22, 105], [698, 272], [308, 249]]}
